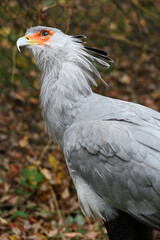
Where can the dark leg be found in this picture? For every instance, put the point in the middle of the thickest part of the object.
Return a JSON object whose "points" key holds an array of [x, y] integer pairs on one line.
{"points": [[125, 227]]}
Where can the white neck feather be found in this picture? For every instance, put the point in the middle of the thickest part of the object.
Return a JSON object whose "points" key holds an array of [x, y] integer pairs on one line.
{"points": [[67, 77]]}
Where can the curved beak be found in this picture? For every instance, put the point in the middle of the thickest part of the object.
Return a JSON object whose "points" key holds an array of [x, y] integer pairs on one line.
{"points": [[22, 41], [25, 41]]}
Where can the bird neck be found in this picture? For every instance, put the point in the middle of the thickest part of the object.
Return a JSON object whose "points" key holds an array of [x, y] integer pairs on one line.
{"points": [[64, 90]]}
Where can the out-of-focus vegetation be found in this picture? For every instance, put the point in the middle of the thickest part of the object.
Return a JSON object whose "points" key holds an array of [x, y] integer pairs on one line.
{"points": [[38, 199], [129, 30]]}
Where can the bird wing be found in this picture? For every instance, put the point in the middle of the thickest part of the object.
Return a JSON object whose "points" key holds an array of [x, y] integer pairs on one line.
{"points": [[120, 161]]}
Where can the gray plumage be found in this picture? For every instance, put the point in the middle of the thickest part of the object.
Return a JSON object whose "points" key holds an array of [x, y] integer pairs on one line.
{"points": [[111, 147]]}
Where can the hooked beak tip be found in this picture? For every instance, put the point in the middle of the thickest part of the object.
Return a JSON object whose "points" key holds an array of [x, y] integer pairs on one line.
{"points": [[18, 48], [22, 41]]}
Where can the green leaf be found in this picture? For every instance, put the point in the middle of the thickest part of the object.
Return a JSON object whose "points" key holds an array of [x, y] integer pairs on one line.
{"points": [[48, 2], [76, 238], [32, 175], [81, 231], [19, 214], [69, 219], [38, 176], [26, 173], [23, 182], [33, 187], [20, 191], [4, 212], [80, 220], [58, 236]]}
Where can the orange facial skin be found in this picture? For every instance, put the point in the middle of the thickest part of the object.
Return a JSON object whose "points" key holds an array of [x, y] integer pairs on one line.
{"points": [[40, 38]]}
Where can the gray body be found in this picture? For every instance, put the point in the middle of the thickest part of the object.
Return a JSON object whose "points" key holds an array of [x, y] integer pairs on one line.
{"points": [[111, 147]]}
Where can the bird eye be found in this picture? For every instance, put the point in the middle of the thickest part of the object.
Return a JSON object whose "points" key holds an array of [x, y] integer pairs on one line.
{"points": [[44, 33]]}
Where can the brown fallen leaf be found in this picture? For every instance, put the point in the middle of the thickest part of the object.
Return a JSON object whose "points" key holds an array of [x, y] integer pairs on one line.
{"points": [[13, 200], [72, 235], [4, 119], [3, 221], [59, 177], [14, 170], [4, 187], [41, 236], [33, 100], [91, 235], [16, 231], [46, 173], [19, 97], [156, 235], [4, 237], [53, 161], [125, 79], [5, 198], [12, 237], [52, 233], [24, 141], [3, 146], [65, 194]]}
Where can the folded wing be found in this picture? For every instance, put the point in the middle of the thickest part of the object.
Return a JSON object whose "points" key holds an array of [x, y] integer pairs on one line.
{"points": [[120, 161]]}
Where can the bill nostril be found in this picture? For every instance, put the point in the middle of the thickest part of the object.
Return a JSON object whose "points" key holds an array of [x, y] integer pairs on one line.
{"points": [[27, 38]]}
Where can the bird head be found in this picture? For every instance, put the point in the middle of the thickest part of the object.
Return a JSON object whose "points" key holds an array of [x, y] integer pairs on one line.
{"points": [[40, 37], [51, 47], [47, 44]]}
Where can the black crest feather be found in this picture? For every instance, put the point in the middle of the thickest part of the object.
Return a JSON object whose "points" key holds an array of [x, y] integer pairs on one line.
{"points": [[80, 36], [100, 53]]}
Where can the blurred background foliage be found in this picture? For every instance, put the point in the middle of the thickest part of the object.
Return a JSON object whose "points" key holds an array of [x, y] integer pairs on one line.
{"points": [[129, 30], [37, 196]]}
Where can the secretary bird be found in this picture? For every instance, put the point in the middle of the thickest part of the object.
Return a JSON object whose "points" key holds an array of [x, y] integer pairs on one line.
{"points": [[111, 147]]}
